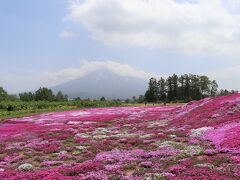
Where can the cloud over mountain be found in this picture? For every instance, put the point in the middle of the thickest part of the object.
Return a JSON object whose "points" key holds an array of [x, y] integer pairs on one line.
{"points": [[32, 81], [88, 67], [186, 26]]}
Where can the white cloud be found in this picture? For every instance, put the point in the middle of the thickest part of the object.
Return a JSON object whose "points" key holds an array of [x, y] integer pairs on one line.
{"points": [[199, 26], [227, 77], [67, 34], [88, 67]]}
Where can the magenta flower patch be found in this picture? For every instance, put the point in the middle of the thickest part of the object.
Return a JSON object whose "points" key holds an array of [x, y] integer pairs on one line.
{"points": [[199, 140]]}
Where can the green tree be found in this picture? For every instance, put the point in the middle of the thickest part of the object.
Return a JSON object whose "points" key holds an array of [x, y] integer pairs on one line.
{"points": [[77, 99], [127, 100], [134, 99], [66, 97], [204, 86], [170, 95], [12, 98], [103, 99], [162, 94], [44, 94], [195, 92], [234, 91], [223, 92], [175, 87], [181, 87], [3, 94], [141, 99], [27, 96], [60, 96], [213, 88], [187, 87], [151, 94]]}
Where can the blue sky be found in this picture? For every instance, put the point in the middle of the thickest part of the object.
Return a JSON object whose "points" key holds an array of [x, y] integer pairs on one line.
{"points": [[44, 43]]}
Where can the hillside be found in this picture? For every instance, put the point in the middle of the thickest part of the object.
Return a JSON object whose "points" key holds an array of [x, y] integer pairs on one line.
{"points": [[199, 140], [103, 83]]}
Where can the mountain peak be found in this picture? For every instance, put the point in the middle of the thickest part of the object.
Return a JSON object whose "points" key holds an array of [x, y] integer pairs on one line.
{"points": [[103, 82]]}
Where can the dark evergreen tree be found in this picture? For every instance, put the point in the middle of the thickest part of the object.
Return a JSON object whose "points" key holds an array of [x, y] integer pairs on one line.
{"points": [[169, 83], [151, 94], [103, 99], [181, 88], [175, 87], [162, 94], [187, 87], [195, 93], [60, 96], [66, 97]]}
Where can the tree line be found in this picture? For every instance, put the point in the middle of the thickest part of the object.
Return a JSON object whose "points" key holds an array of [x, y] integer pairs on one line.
{"points": [[182, 88], [4, 96], [42, 94], [44, 100], [174, 88]]}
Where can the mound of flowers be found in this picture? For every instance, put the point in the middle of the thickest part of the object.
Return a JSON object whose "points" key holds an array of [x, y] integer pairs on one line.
{"points": [[199, 140]]}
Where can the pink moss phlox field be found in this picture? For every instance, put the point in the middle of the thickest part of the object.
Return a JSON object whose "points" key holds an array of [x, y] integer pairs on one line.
{"points": [[199, 140]]}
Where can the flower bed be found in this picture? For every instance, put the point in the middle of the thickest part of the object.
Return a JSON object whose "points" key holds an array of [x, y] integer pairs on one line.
{"points": [[199, 140]]}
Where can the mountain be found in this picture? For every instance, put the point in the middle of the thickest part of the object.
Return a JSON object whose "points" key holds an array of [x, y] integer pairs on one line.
{"points": [[105, 83]]}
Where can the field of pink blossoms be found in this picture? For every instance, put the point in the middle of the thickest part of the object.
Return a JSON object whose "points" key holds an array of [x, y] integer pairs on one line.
{"points": [[200, 140]]}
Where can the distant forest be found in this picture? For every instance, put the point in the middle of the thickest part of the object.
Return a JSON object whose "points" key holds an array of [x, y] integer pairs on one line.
{"points": [[182, 88], [42, 94], [175, 88]]}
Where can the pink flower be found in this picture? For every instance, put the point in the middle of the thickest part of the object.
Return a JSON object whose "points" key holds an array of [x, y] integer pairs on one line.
{"points": [[176, 169], [235, 159], [146, 164]]}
